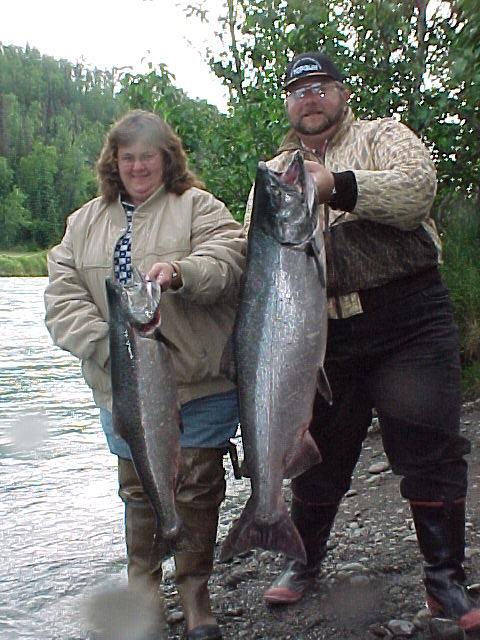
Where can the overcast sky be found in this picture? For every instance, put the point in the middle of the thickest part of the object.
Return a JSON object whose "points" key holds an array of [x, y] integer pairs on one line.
{"points": [[108, 33]]}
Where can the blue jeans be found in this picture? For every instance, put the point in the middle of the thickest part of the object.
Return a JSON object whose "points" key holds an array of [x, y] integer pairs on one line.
{"points": [[208, 422], [403, 360]]}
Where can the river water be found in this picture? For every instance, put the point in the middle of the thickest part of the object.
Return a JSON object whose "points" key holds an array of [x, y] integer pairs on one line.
{"points": [[61, 522]]}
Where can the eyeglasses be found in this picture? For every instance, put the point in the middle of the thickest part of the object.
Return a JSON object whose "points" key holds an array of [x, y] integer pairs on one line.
{"points": [[128, 159], [316, 89]]}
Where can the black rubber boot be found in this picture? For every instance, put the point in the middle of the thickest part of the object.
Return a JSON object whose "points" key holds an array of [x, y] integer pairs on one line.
{"points": [[440, 528], [314, 523]]}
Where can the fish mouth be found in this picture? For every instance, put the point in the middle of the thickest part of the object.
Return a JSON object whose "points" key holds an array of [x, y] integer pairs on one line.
{"points": [[288, 197], [141, 300]]}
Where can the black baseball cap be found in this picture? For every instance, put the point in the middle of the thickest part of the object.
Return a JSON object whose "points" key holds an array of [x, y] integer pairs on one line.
{"points": [[311, 63]]}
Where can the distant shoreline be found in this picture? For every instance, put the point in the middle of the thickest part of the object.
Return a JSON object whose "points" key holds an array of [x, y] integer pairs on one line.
{"points": [[23, 263]]}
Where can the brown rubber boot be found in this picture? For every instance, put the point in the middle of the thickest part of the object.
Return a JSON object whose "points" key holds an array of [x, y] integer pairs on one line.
{"points": [[139, 534], [314, 523], [199, 495]]}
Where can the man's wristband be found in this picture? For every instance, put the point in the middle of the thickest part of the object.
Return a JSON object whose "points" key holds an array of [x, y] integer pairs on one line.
{"points": [[344, 194]]}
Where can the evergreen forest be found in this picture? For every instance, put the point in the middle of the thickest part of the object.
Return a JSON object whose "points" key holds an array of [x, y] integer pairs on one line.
{"points": [[417, 60]]}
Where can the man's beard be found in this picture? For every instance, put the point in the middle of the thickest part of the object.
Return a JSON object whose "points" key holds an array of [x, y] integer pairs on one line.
{"points": [[327, 122]]}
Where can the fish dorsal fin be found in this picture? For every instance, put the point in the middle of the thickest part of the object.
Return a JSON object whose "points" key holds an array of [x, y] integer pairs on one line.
{"points": [[323, 386], [227, 361]]}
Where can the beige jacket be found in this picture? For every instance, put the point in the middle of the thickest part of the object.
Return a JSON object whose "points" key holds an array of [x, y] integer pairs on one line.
{"points": [[197, 232], [396, 178]]}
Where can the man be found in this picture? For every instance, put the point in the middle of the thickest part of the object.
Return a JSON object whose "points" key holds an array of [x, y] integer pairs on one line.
{"points": [[392, 343]]}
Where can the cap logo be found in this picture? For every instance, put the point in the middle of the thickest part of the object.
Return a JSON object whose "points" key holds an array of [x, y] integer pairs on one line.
{"points": [[306, 66]]}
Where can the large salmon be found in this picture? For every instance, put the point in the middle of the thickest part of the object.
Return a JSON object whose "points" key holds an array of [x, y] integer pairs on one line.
{"points": [[279, 347], [145, 408]]}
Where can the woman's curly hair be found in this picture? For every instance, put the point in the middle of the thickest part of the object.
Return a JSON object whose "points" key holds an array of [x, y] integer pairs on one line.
{"points": [[144, 125]]}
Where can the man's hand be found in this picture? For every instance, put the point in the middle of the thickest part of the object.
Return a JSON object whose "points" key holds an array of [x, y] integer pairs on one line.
{"points": [[166, 275], [323, 178]]}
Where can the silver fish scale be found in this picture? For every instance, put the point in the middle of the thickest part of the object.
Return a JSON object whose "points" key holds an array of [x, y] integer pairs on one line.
{"points": [[280, 340], [145, 412], [279, 350]]}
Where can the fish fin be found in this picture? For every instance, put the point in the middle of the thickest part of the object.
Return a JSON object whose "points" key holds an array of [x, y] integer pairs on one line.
{"points": [[161, 550], [244, 469], [227, 361], [164, 546], [314, 251], [323, 386], [118, 427], [233, 453], [246, 534], [168, 343], [304, 456]]}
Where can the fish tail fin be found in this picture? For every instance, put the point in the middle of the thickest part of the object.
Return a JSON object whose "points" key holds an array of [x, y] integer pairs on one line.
{"points": [[247, 533], [166, 544], [161, 550]]}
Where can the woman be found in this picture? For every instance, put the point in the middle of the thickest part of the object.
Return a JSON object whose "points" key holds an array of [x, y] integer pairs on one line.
{"points": [[153, 212]]}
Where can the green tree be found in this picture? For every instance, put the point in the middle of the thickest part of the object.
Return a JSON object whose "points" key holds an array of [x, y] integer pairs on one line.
{"points": [[15, 219], [6, 178], [74, 183], [36, 178], [403, 59], [464, 84]]}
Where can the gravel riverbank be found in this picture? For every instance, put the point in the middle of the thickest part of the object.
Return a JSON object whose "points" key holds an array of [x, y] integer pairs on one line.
{"points": [[370, 586]]}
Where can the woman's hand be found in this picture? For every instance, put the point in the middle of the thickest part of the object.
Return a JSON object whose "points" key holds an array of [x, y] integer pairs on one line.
{"points": [[167, 276], [323, 178]]}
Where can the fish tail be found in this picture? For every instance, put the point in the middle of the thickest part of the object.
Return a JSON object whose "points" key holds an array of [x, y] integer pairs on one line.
{"points": [[162, 549], [247, 533], [166, 544]]}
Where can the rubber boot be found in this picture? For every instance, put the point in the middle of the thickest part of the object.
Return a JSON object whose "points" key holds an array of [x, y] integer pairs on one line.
{"points": [[314, 523], [199, 495], [139, 534], [440, 528]]}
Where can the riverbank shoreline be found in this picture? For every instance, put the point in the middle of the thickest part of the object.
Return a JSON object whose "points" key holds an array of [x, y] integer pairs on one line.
{"points": [[370, 585], [23, 263]]}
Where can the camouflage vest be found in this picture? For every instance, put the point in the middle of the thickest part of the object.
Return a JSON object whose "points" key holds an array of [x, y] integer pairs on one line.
{"points": [[363, 255]]}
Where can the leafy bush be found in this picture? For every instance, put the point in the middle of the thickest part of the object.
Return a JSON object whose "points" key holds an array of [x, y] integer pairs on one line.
{"points": [[459, 224]]}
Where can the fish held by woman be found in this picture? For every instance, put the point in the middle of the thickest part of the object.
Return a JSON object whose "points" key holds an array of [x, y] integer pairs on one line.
{"points": [[145, 407]]}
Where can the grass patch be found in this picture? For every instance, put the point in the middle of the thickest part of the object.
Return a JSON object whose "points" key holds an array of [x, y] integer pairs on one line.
{"points": [[461, 271], [471, 381], [28, 263]]}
